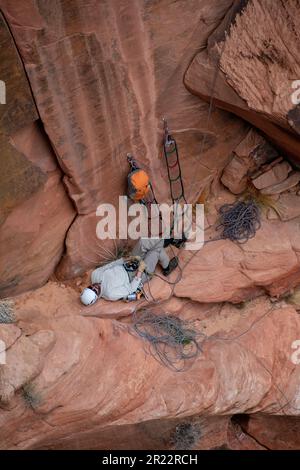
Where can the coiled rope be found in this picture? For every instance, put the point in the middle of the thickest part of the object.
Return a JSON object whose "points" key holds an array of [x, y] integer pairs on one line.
{"points": [[172, 341], [239, 221]]}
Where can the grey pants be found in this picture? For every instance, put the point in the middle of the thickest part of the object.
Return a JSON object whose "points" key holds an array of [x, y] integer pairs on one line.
{"points": [[152, 251]]}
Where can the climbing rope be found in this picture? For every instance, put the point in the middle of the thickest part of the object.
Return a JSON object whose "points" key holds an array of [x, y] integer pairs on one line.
{"points": [[172, 340], [239, 221]]}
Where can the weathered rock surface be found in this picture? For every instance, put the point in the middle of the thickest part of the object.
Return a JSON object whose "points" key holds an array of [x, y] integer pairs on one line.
{"points": [[289, 206], [251, 153], [35, 211], [261, 63], [280, 187], [274, 432], [103, 75], [256, 68], [32, 238], [224, 271], [277, 174], [19, 179], [84, 395]]}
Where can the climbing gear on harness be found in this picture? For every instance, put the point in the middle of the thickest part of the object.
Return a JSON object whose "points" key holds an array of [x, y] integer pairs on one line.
{"points": [[171, 266], [138, 181], [134, 296], [132, 162]]}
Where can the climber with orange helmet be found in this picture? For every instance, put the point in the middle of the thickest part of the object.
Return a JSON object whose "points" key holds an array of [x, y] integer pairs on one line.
{"points": [[138, 181]]}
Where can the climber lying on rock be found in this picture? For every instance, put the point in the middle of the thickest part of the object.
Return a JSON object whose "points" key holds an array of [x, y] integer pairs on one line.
{"points": [[124, 277]]}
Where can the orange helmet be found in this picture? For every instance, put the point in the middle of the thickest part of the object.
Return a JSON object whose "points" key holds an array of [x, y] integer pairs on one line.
{"points": [[138, 185]]}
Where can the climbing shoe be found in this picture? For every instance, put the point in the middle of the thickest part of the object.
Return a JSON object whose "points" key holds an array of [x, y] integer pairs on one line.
{"points": [[171, 266], [177, 242], [167, 242]]}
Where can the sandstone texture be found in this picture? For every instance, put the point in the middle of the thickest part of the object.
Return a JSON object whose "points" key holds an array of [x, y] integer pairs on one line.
{"points": [[254, 68], [35, 211], [224, 271], [252, 153], [28, 259], [275, 175], [79, 392], [88, 82], [103, 76]]}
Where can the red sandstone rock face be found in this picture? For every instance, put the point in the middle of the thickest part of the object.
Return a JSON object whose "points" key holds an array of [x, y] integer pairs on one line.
{"points": [[35, 211], [274, 432], [256, 68], [84, 395], [15, 171], [261, 63], [225, 271], [103, 75], [247, 158], [30, 257]]}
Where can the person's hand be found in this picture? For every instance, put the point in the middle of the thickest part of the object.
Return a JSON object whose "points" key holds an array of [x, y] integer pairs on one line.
{"points": [[142, 266]]}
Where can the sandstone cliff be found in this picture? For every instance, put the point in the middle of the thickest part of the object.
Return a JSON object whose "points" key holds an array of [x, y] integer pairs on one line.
{"points": [[103, 76], [87, 83]]}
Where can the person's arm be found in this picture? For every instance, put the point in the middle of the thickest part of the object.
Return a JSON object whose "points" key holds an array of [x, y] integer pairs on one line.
{"points": [[137, 280], [135, 284], [96, 275], [122, 291]]}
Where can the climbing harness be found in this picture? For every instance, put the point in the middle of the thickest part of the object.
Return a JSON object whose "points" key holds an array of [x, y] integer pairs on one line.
{"points": [[137, 295]]}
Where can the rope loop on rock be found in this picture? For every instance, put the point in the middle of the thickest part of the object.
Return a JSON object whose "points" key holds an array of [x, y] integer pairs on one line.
{"points": [[239, 221], [173, 341]]}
